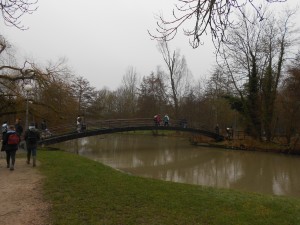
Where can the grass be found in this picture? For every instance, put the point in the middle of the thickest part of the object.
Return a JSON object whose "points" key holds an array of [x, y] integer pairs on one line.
{"points": [[83, 191]]}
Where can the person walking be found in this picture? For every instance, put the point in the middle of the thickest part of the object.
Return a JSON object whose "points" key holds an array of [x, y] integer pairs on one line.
{"points": [[44, 125], [11, 142], [79, 124], [217, 129], [32, 136], [44, 130], [19, 130], [4, 128], [157, 120], [19, 127], [166, 120]]}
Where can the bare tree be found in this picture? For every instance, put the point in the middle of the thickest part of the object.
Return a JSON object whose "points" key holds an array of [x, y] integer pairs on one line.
{"points": [[178, 73], [54, 102], [14, 76], [289, 100], [254, 56], [12, 11], [152, 97], [219, 84], [214, 16], [105, 105], [128, 91], [10, 71]]}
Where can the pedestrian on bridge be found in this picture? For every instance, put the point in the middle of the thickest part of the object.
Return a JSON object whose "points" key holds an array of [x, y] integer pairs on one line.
{"points": [[43, 125], [157, 120], [166, 120], [79, 124], [229, 131], [217, 129]]}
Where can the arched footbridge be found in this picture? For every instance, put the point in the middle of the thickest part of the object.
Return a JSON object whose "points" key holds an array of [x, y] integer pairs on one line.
{"points": [[65, 133]]}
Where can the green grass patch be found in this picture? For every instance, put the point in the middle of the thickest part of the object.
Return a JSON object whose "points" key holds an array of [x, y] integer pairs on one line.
{"points": [[83, 191]]}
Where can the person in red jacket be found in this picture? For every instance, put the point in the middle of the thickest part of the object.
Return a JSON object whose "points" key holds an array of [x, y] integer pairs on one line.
{"points": [[11, 142]]}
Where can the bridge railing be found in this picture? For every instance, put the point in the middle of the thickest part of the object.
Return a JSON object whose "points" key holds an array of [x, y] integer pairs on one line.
{"points": [[138, 122], [113, 123], [99, 124], [119, 123], [59, 130], [69, 132]]}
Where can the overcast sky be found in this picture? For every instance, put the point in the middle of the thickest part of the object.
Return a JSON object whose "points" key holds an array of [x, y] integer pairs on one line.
{"points": [[102, 39]]}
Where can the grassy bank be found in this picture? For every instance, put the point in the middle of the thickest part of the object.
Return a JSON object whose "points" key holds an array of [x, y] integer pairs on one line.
{"points": [[86, 192]]}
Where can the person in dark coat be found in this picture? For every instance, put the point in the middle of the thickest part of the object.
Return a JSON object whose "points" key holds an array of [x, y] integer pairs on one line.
{"points": [[217, 129], [44, 126], [10, 146], [19, 127], [32, 136], [4, 128]]}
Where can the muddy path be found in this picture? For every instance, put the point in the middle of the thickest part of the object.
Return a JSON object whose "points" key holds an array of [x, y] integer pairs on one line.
{"points": [[21, 199]]}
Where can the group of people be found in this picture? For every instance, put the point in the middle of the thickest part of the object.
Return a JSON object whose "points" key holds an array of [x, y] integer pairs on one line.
{"points": [[11, 138], [157, 120]]}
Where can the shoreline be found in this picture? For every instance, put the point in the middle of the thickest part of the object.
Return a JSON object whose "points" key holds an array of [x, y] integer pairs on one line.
{"points": [[243, 147]]}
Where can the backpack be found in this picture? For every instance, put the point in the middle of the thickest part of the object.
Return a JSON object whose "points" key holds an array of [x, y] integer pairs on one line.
{"points": [[13, 139], [32, 137]]}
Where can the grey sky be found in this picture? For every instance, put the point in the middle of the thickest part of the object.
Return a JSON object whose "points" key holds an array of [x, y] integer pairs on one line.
{"points": [[101, 39]]}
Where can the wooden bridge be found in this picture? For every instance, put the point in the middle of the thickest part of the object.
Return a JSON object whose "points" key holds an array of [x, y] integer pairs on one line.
{"points": [[65, 133]]}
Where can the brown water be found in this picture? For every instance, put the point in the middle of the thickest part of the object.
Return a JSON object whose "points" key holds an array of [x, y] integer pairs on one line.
{"points": [[174, 159]]}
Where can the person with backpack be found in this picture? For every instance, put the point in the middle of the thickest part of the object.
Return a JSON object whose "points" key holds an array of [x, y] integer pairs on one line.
{"points": [[32, 136], [11, 142]]}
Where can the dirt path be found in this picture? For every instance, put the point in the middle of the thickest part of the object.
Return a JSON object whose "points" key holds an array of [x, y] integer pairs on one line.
{"points": [[21, 200]]}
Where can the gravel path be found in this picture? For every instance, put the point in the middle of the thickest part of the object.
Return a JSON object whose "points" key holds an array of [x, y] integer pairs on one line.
{"points": [[21, 199]]}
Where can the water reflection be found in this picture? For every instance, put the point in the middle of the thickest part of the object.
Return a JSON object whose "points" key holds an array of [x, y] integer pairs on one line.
{"points": [[174, 159]]}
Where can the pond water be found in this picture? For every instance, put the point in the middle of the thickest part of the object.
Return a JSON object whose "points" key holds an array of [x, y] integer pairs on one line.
{"points": [[175, 159]]}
